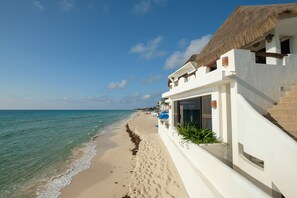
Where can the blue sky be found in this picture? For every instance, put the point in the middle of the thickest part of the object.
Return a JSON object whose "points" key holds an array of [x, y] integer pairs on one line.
{"points": [[105, 54]]}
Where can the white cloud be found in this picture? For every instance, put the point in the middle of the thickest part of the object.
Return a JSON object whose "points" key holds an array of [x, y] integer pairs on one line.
{"points": [[67, 5], [147, 96], [139, 99], [149, 50], [182, 43], [156, 96], [151, 79], [118, 85], [98, 100], [144, 6], [127, 101], [38, 5], [177, 58]]}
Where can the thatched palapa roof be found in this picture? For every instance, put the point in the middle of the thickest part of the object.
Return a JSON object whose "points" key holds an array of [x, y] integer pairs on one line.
{"points": [[245, 25]]}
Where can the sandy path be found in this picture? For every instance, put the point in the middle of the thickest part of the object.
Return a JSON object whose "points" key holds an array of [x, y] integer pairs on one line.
{"points": [[154, 174]]}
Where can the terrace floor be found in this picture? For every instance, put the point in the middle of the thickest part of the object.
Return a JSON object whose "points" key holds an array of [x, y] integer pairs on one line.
{"points": [[221, 151]]}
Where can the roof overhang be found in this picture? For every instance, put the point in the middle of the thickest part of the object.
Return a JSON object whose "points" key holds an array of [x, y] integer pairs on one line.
{"points": [[186, 69], [287, 26]]}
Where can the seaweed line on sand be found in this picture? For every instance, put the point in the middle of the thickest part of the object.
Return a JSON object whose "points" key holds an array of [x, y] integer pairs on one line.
{"points": [[134, 138]]}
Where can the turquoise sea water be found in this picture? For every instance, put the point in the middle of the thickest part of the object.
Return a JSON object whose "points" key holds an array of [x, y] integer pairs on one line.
{"points": [[41, 150]]}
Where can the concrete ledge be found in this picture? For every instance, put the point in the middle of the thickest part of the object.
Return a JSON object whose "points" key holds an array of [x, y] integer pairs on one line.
{"points": [[202, 174]]}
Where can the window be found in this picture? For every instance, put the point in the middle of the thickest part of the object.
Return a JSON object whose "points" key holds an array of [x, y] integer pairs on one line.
{"points": [[187, 111], [195, 111], [176, 83], [261, 59], [285, 47], [213, 67]]}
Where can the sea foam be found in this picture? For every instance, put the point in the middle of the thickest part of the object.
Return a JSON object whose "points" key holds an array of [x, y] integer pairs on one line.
{"points": [[53, 188]]}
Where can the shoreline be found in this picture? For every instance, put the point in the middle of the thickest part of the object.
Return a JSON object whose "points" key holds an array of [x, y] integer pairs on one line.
{"points": [[130, 161], [80, 161], [107, 170], [48, 155]]}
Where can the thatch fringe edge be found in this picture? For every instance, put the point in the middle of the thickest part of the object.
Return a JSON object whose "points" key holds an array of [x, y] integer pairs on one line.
{"points": [[247, 37]]}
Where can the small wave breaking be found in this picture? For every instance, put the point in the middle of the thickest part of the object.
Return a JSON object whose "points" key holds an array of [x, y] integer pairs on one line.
{"points": [[53, 188]]}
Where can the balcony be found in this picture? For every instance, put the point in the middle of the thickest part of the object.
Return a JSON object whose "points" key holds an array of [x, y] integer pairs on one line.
{"points": [[242, 64], [202, 171]]}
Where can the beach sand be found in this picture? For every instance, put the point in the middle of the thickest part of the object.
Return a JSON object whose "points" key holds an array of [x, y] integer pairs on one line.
{"points": [[116, 172]]}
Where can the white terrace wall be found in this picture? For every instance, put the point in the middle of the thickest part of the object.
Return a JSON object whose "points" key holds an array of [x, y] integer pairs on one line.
{"points": [[262, 139], [204, 175], [293, 45], [261, 84]]}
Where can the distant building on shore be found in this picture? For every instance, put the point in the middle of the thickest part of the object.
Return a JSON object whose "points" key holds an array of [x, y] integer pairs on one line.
{"points": [[242, 86], [163, 105]]}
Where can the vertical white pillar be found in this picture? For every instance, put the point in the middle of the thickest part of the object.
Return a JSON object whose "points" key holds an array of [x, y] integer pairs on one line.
{"points": [[273, 47], [171, 114], [233, 97], [223, 114], [293, 45], [181, 107], [215, 112]]}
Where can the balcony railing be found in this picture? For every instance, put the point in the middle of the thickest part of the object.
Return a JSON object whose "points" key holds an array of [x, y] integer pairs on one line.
{"points": [[231, 55], [269, 54]]}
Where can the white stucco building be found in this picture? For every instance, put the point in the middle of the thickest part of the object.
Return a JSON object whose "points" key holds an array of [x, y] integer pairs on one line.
{"points": [[163, 105], [242, 86]]}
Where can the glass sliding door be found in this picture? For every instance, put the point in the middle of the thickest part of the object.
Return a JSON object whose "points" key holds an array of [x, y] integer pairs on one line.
{"points": [[206, 112], [191, 111], [196, 111], [187, 112]]}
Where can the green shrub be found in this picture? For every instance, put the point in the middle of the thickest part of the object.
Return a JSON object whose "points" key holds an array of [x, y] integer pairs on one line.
{"points": [[190, 132]]}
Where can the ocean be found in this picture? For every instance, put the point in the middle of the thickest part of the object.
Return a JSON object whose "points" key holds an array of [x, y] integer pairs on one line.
{"points": [[40, 151]]}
